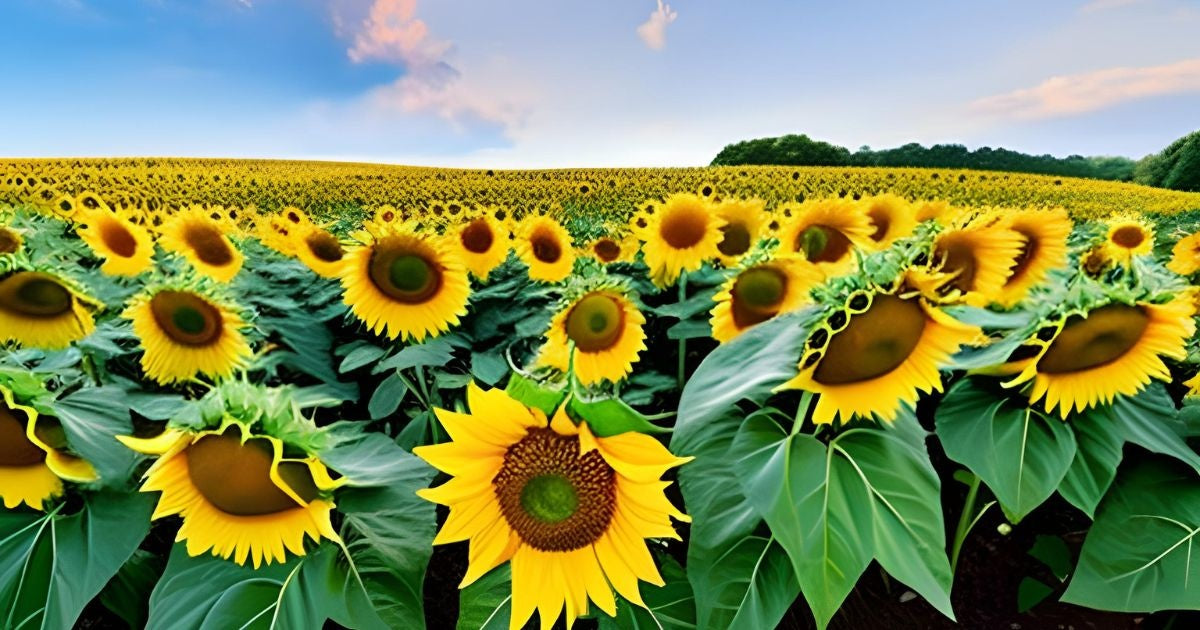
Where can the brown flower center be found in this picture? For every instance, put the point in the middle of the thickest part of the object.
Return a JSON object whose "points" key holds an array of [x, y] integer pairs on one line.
{"points": [[15, 448], [607, 250], [545, 245], [595, 322], [404, 275], [208, 244], [9, 241], [735, 239], [757, 294], [684, 227], [882, 220], [34, 294], [117, 238], [874, 342], [477, 237], [822, 244], [187, 318], [1029, 253], [1100, 338], [236, 477], [324, 246], [958, 257], [555, 498], [1129, 236]]}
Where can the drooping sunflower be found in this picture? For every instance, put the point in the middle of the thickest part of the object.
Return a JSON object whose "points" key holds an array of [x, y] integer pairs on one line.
{"points": [[185, 332], [1128, 236], [545, 246], [10, 240], [680, 235], [568, 508], [760, 292], [405, 285], [606, 329], [42, 310], [239, 497], [971, 264], [481, 243], [611, 249], [876, 353], [825, 233], [33, 459], [891, 218], [319, 250], [127, 249], [1088, 358], [744, 219], [1185, 256], [193, 234], [1045, 249]]}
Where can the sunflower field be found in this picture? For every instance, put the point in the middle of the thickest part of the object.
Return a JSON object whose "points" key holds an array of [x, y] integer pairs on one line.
{"points": [[250, 394]]}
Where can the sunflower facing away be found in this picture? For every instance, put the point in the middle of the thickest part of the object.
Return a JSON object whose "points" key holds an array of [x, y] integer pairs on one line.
{"points": [[1045, 249], [405, 285], [41, 310], [545, 246], [185, 333], [1185, 256], [680, 235], [319, 250], [569, 509], [10, 240], [1128, 237], [126, 248], [201, 240], [971, 264], [891, 218], [877, 353], [761, 292], [33, 464], [237, 494], [825, 233], [744, 219], [606, 328], [481, 243], [1089, 358]]}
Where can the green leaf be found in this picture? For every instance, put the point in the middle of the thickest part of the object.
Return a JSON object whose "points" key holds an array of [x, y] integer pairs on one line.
{"points": [[1189, 415], [387, 397], [535, 395], [489, 367], [359, 357], [1142, 552], [611, 416], [690, 329], [1052, 551], [91, 417], [669, 607], [1030, 593], [155, 406], [735, 576], [487, 603], [127, 594], [1100, 440], [434, 352], [1019, 452], [1150, 421], [369, 459]]}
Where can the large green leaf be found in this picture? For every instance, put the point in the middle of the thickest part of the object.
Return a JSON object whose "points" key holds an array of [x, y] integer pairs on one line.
{"points": [[735, 578], [92, 417], [54, 565], [1099, 439], [611, 416], [127, 594], [487, 603], [1019, 452], [668, 607], [1151, 421], [1142, 553]]}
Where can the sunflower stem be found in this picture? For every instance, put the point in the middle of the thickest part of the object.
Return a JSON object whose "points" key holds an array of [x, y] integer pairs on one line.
{"points": [[682, 373], [966, 520]]}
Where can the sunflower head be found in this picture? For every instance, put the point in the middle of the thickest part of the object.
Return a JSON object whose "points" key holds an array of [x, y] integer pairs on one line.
{"points": [[1128, 236], [825, 232], [1045, 234], [569, 508], [545, 246], [891, 218], [127, 248], [34, 460], [39, 309], [760, 292], [610, 249], [319, 250], [481, 242], [187, 332], [743, 228], [296, 217], [971, 264], [10, 240], [202, 241], [604, 328], [684, 232], [1185, 256], [406, 285]]}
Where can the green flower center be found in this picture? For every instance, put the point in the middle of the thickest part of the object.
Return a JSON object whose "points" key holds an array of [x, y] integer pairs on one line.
{"points": [[822, 244], [549, 498], [873, 343], [735, 241], [34, 294], [1105, 335], [186, 318], [757, 294], [595, 322]]}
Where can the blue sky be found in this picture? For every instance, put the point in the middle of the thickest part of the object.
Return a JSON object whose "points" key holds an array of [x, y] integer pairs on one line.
{"points": [[539, 83]]}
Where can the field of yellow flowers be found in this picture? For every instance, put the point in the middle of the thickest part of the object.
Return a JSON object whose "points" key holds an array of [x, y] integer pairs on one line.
{"points": [[259, 394]]}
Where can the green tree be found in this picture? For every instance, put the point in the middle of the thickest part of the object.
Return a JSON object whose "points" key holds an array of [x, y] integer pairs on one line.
{"points": [[1176, 167]]}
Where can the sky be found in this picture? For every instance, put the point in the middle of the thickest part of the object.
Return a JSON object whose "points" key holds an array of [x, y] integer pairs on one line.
{"points": [[541, 83]]}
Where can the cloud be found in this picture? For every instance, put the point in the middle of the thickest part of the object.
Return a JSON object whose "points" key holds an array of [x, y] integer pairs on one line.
{"points": [[1095, 6], [1091, 91], [392, 33], [654, 30]]}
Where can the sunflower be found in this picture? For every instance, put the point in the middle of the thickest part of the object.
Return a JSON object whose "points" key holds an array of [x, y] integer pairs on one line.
{"points": [[939, 211], [1045, 249], [1185, 256], [275, 232], [606, 328], [761, 292], [825, 233], [569, 509], [296, 217], [682, 234], [877, 353], [10, 241], [42, 310], [973, 263], [1088, 358], [612, 249], [126, 248], [891, 218], [1128, 236], [545, 246], [481, 243], [319, 249], [743, 227], [194, 235], [185, 333], [409, 286], [237, 494], [33, 463]]}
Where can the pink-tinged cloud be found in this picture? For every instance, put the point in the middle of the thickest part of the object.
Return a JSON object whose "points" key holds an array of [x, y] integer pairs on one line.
{"points": [[1092, 91], [654, 30], [393, 33]]}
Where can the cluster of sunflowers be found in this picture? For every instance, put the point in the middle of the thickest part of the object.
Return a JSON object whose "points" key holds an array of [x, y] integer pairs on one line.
{"points": [[533, 358]]}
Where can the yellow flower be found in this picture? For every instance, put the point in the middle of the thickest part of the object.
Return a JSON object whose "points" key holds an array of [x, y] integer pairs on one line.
{"points": [[237, 494], [482, 243], [680, 235], [825, 233], [891, 218], [568, 508], [876, 354], [761, 292], [972, 264], [40, 310], [606, 328], [545, 246], [185, 333], [33, 463], [194, 235], [744, 219], [10, 241], [1089, 358], [1128, 236], [612, 249], [1185, 256], [319, 250], [1045, 249], [127, 249]]}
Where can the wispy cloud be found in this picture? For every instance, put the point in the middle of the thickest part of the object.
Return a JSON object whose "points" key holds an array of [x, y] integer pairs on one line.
{"points": [[654, 30], [1091, 91]]}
